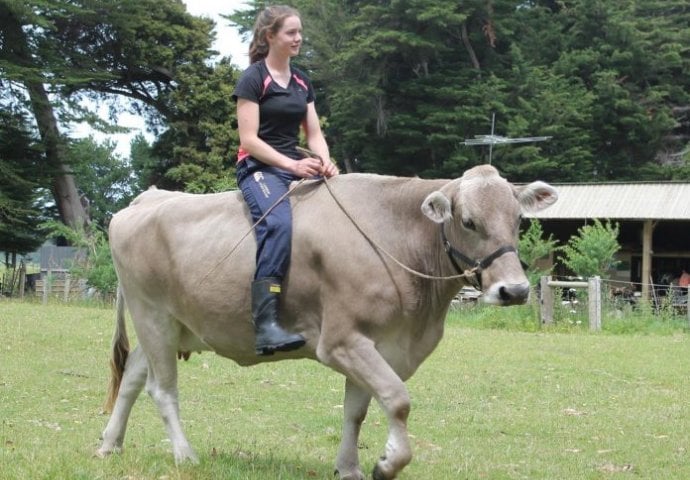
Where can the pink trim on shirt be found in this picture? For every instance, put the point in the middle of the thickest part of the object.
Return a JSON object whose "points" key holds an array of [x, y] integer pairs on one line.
{"points": [[267, 82], [300, 81], [242, 154]]}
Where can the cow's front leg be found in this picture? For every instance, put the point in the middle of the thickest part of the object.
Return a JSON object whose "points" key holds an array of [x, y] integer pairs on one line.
{"points": [[355, 411], [132, 382], [358, 359]]}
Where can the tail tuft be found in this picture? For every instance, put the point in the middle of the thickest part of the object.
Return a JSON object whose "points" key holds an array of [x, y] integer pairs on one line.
{"points": [[120, 348]]}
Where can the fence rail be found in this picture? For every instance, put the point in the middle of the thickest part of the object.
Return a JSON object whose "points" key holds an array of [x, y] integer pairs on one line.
{"points": [[65, 288]]}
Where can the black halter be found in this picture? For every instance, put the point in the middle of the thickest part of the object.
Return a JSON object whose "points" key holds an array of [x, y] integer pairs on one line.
{"points": [[476, 266]]}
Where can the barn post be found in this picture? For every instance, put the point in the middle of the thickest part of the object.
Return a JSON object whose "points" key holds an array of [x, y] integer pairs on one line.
{"points": [[594, 294], [546, 300], [647, 231], [687, 303]]}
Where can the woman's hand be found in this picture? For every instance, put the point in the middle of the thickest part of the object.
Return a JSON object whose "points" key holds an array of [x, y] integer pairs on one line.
{"points": [[329, 169], [306, 167], [311, 167]]}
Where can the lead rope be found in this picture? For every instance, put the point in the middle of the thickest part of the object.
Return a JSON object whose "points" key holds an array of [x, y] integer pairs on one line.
{"points": [[469, 274], [251, 229], [466, 273]]}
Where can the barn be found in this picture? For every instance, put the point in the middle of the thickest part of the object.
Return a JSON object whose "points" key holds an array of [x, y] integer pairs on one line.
{"points": [[654, 219]]}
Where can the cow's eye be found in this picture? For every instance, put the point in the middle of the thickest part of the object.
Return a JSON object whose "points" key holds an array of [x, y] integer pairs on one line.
{"points": [[469, 224]]}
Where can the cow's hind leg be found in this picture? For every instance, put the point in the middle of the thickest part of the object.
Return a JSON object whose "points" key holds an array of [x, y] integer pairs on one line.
{"points": [[355, 410], [132, 382], [359, 360], [159, 338]]}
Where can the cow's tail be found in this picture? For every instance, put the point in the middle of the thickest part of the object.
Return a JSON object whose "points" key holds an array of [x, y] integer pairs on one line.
{"points": [[120, 351]]}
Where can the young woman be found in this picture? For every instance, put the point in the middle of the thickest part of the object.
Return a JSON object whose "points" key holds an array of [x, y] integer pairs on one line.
{"points": [[274, 100]]}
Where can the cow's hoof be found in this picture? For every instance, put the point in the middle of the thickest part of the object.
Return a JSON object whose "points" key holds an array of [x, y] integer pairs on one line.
{"points": [[105, 452], [379, 475], [101, 453], [349, 476], [188, 458]]}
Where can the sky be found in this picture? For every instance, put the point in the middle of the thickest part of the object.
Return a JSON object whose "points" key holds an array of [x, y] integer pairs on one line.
{"points": [[228, 43]]}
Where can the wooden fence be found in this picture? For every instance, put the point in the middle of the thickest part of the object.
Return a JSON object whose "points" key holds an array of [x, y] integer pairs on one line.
{"points": [[63, 287]]}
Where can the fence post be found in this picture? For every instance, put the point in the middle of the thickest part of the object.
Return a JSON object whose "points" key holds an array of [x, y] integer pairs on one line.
{"points": [[22, 280], [68, 285], [594, 290], [546, 300], [47, 280]]}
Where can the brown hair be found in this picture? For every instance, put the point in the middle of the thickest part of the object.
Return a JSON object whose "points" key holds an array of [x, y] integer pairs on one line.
{"points": [[271, 20]]}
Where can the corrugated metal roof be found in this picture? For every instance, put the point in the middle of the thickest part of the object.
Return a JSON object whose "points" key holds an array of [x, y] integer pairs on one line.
{"points": [[624, 201]]}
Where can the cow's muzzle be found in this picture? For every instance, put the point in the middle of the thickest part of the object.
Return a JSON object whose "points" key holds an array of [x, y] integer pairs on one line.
{"points": [[474, 272]]}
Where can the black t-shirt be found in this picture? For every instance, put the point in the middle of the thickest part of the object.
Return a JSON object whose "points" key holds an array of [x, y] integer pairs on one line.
{"points": [[281, 110]]}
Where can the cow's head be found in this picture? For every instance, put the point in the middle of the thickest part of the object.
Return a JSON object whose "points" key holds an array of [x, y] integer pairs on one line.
{"points": [[479, 214]]}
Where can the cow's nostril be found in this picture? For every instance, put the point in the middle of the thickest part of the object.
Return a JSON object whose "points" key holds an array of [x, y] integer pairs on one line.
{"points": [[516, 293]]}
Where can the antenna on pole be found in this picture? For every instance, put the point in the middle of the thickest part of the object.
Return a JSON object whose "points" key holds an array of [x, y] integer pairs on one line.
{"points": [[493, 139]]}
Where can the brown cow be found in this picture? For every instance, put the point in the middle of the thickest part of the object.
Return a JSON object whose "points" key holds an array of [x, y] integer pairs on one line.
{"points": [[184, 264]]}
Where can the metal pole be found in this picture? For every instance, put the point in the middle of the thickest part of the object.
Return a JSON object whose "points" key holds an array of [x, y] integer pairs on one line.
{"points": [[491, 145]]}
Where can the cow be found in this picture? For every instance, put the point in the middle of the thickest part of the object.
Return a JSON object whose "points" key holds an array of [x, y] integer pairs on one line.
{"points": [[375, 263]]}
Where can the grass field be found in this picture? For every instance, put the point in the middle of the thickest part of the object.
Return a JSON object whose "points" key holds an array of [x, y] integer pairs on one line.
{"points": [[488, 404]]}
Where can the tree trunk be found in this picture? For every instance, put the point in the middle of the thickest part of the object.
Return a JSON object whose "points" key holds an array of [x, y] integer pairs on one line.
{"points": [[72, 212], [64, 187], [468, 47]]}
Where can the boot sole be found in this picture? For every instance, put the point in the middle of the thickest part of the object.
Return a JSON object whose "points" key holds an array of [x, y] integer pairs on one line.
{"points": [[265, 350]]}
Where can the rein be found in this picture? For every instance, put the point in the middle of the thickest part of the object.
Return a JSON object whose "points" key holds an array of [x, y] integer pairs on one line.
{"points": [[472, 275], [251, 229], [469, 274]]}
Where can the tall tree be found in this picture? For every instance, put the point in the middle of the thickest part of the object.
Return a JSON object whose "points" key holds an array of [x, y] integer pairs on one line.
{"points": [[406, 81], [22, 63], [19, 186], [62, 52]]}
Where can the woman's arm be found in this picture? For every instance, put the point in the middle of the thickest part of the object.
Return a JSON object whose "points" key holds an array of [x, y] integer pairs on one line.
{"points": [[317, 142], [248, 128]]}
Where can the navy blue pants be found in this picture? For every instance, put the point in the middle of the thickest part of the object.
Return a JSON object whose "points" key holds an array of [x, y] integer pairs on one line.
{"points": [[262, 186]]}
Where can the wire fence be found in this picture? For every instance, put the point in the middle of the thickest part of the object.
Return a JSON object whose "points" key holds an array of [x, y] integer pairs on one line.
{"points": [[616, 304], [619, 300]]}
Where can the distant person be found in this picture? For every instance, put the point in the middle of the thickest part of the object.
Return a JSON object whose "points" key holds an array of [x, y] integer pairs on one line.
{"points": [[684, 280], [274, 99]]}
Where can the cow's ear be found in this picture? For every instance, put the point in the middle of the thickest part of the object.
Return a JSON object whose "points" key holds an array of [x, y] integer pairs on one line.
{"points": [[536, 196], [436, 206]]}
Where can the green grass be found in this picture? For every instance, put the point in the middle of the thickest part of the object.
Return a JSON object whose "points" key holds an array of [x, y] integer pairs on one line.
{"points": [[488, 404], [526, 318]]}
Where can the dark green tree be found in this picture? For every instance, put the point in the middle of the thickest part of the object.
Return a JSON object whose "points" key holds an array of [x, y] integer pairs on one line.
{"points": [[20, 160], [58, 53], [406, 81]]}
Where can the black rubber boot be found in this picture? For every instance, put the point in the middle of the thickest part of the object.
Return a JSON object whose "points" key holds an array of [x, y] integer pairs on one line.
{"points": [[270, 336]]}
